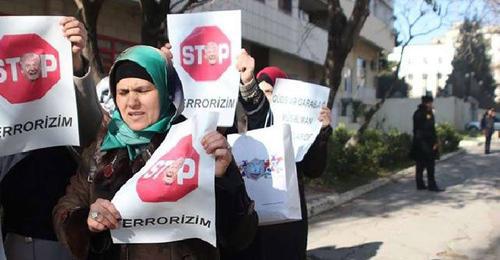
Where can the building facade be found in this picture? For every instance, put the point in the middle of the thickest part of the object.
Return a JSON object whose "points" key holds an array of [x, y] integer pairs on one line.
{"points": [[425, 67], [290, 34]]}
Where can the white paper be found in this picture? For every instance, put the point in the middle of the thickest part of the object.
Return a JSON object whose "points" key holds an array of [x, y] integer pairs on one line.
{"points": [[265, 158], [298, 104], [205, 47], [172, 197], [38, 105]]}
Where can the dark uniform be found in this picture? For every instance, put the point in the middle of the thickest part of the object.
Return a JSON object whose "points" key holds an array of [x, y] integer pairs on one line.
{"points": [[424, 142]]}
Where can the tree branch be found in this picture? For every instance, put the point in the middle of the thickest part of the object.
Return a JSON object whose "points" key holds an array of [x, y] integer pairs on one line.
{"points": [[190, 4]]}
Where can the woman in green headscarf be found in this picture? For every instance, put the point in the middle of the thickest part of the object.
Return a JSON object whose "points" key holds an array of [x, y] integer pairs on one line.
{"points": [[146, 92]]}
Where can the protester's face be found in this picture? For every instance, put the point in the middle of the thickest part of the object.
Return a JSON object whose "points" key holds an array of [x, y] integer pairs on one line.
{"points": [[172, 170], [493, 113], [138, 102], [31, 67], [267, 89]]}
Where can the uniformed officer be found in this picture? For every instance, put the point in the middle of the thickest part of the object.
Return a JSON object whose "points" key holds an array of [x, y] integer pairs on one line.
{"points": [[425, 144]]}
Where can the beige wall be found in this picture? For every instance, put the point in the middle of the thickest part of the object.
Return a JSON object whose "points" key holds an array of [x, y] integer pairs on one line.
{"points": [[369, 53], [397, 113]]}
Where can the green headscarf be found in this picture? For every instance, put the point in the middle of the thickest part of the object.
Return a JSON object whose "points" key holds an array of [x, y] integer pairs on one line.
{"points": [[119, 134]]}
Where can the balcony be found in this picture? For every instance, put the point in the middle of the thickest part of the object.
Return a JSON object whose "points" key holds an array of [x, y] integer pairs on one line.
{"points": [[268, 25], [378, 26]]}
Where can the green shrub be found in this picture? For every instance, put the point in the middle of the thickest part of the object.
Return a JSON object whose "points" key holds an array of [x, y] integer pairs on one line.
{"points": [[396, 149], [376, 151], [448, 137]]}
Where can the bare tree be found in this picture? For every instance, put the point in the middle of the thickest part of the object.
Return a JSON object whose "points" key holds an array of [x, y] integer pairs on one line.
{"points": [[343, 32], [154, 22], [88, 10], [412, 24]]}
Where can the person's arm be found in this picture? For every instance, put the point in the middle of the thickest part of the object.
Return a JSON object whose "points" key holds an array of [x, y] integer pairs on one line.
{"points": [[314, 163], [70, 216], [89, 110], [90, 115], [250, 95], [235, 215]]}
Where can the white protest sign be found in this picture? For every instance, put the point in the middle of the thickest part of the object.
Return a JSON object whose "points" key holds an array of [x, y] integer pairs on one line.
{"points": [[37, 97], [172, 197], [266, 160], [205, 47], [298, 104]]}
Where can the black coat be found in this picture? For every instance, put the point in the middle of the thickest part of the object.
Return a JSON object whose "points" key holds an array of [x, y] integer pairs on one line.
{"points": [[424, 135], [287, 240], [488, 124]]}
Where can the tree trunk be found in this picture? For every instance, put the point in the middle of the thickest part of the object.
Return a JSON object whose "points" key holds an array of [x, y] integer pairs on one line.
{"points": [[154, 22], [88, 11], [342, 34], [372, 111]]}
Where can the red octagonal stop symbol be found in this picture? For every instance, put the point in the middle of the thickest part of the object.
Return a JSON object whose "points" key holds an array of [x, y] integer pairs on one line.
{"points": [[173, 176], [29, 67], [206, 53]]}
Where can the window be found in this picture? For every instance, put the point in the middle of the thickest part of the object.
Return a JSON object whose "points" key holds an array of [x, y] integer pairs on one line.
{"points": [[360, 72], [347, 81], [109, 48], [285, 5], [424, 76], [439, 76], [440, 60], [344, 103], [373, 6], [425, 60], [262, 1], [410, 76]]}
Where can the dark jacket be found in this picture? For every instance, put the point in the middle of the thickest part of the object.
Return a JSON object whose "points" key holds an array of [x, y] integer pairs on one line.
{"points": [[33, 185], [488, 124], [424, 135], [287, 240], [235, 219]]}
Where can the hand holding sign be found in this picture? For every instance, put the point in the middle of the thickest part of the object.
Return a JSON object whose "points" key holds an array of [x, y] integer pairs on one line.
{"points": [[205, 47], [75, 32], [325, 117], [299, 103], [216, 144], [166, 49], [172, 197], [102, 216], [245, 64]]}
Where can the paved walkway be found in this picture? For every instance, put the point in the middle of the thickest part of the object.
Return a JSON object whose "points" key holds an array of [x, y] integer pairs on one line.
{"points": [[399, 222]]}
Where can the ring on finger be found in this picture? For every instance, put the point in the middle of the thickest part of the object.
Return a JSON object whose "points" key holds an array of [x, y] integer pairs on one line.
{"points": [[95, 215]]}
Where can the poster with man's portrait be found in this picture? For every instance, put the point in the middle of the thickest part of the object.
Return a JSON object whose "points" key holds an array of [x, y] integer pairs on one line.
{"points": [[37, 97]]}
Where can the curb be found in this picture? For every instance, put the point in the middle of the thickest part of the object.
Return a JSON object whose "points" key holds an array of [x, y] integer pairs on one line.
{"points": [[326, 203]]}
